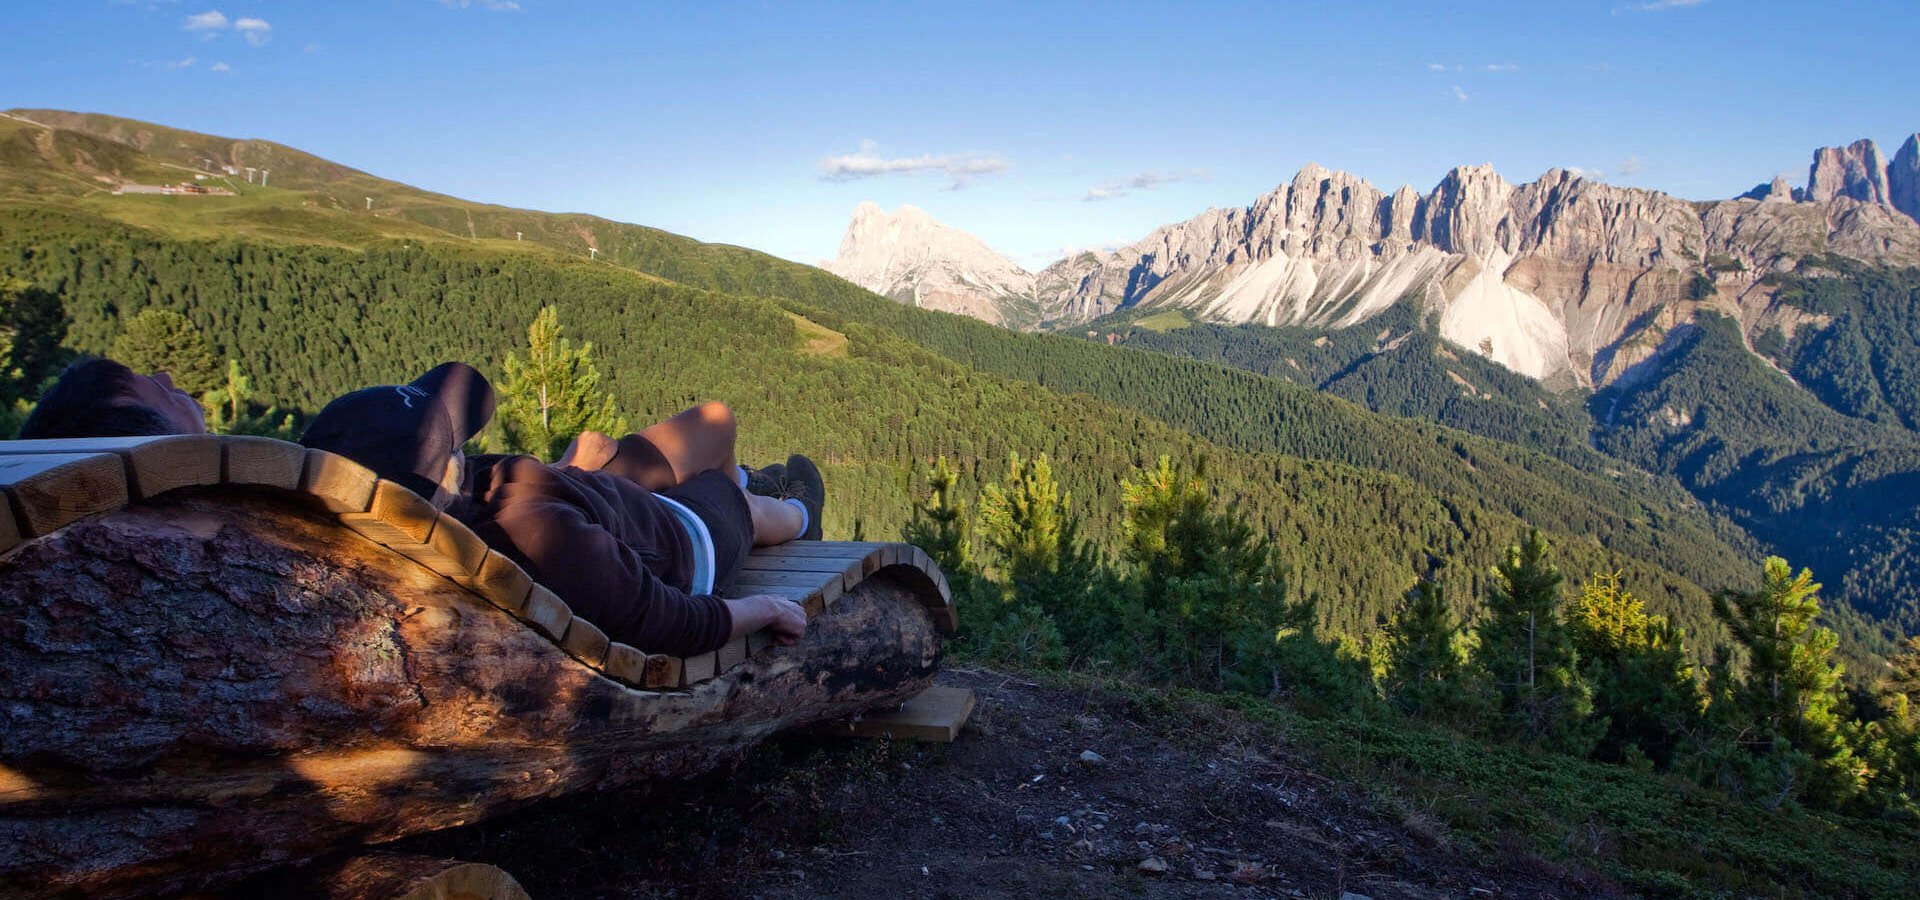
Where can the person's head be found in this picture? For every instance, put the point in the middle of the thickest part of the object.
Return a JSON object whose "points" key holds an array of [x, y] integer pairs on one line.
{"points": [[97, 397], [409, 434]]}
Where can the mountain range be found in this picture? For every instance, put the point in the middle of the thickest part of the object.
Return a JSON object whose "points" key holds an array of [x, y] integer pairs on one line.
{"points": [[1565, 279]]}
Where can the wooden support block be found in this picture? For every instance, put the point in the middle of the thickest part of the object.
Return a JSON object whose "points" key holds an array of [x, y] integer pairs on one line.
{"points": [[626, 664], [733, 654], [462, 551], [919, 559], [52, 490], [501, 581], [663, 671], [10, 536], [409, 517], [163, 465], [263, 461], [338, 483], [935, 714], [546, 612], [695, 669], [585, 642]]}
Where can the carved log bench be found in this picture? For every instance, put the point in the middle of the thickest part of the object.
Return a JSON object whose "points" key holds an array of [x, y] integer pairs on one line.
{"points": [[220, 655]]}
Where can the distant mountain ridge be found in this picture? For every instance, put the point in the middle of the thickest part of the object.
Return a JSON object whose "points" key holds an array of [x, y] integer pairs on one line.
{"points": [[1565, 279], [910, 257]]}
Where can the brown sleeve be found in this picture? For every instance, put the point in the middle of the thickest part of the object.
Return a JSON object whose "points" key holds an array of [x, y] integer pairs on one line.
{"points": [[606, 581]]}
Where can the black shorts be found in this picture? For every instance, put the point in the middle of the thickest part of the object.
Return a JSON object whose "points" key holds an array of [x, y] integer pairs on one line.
{"points": [[716, 498]]}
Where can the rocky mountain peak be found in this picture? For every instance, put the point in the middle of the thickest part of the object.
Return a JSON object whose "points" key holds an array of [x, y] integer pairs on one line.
{"points": [[912, 257], [1856, 170], [1903, 178]]}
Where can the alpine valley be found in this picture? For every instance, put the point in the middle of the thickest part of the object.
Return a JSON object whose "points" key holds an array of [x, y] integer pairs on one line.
{"points": [[1762, 350]]}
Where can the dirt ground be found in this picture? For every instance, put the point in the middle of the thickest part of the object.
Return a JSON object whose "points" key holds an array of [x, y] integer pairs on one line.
{"points": [[1050, 792]]}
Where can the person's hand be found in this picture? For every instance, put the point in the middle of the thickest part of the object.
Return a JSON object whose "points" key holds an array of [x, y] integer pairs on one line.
{"points": [[785, 618], [789, 621]]}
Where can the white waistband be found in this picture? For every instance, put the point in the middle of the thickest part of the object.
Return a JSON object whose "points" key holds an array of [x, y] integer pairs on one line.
{"points": [[702, 540]]}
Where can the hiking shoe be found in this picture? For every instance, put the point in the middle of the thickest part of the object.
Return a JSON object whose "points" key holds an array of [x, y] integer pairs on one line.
{"points": [[766, 482], [803, 483]]}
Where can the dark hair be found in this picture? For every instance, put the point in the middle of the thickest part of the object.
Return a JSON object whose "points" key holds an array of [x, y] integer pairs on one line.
{"points": [[91, 400]]}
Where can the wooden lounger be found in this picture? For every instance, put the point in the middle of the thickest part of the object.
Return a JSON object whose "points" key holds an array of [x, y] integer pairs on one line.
{"points": [[223, 654]]}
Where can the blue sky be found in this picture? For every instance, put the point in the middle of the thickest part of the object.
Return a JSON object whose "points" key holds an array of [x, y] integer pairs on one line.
{"points": [[1039, 127]]}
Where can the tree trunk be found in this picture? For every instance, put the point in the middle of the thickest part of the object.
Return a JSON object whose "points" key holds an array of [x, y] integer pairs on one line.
{"points": [[218, 682]]}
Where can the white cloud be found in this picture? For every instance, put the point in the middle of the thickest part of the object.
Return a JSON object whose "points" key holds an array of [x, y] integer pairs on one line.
{"points": [[1484, 67], [1589, 174], [960, 168], [1459, 94], [1145, 181], [176, 64], [1629, 167], [488, 5], [1658, 6], [220, 67], [256, 31], [211, 20]]}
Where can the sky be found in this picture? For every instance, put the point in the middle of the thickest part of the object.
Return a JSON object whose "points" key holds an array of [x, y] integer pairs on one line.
{"points": [[1043, 128]]}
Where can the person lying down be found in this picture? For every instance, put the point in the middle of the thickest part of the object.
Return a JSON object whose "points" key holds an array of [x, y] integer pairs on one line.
{"points": [[640, 535]]}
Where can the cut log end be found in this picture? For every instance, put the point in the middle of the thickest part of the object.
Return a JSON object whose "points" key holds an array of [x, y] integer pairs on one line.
{"points": [[389, 876]]}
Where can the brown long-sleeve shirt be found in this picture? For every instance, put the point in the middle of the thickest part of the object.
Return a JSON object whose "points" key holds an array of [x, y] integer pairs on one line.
{"points": [[606, 545]]}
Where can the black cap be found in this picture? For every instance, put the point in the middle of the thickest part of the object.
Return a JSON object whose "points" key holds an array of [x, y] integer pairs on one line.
{"points": [[406, 433]]}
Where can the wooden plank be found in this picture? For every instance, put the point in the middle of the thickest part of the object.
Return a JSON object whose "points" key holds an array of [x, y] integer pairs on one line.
{"points": [[764, 576], [53, 490], [338, 483], [810, 599], [586, 642], [663, 671], [733, 654], [501, 581], [822, 549], [404, 510], [454, 542], [78, 445], [626, 664], [695, 669], [814, 600], [262, 461], [170, 463], [936, 714], [851, 570], [546, 612]]}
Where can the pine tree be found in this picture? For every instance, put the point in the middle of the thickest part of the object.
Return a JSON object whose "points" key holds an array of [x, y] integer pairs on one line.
{"points": [[1644, 689], [1212, 590], [161, 340], [938, 522], [226, 405], [1529, 659], [1789, 706], [1426, 671], [33, 323], [1048, 574], [554, 394]]}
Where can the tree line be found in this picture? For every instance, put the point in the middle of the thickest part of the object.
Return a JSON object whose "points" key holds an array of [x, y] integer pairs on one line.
{"points": [[1198, 596]]}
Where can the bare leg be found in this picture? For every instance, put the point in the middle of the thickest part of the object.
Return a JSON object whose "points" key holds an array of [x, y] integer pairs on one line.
{"points": [[774, 521], [697, 440]]}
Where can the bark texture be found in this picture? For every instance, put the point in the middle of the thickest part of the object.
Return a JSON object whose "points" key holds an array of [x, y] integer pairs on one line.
{"points": [[218, 682]]}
